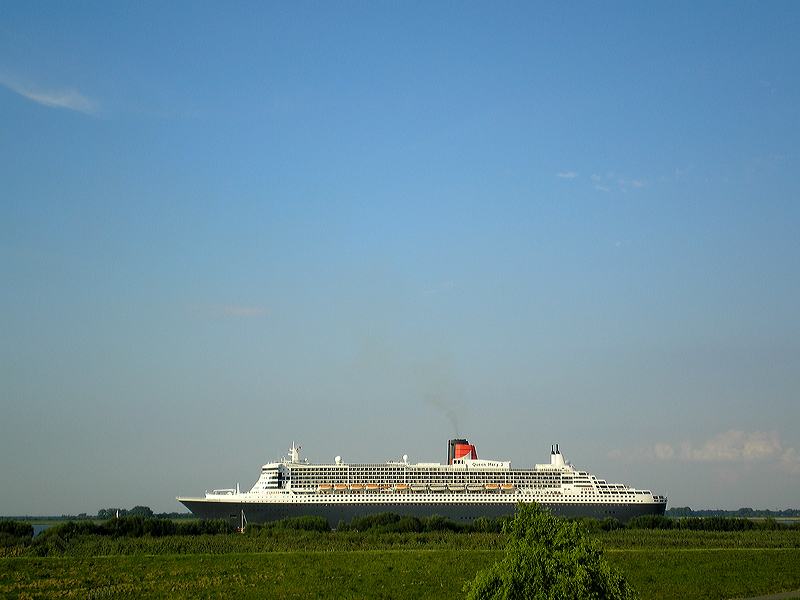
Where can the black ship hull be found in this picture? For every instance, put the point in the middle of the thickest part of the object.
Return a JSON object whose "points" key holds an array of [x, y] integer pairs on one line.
{"points": [[238, 512]]}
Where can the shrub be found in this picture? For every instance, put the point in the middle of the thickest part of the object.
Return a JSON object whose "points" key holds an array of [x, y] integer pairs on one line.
{"points": [[305, 524], [651, 522], [610, 524], [549, 559], [14, 536], [291, 524], [16, 529]]}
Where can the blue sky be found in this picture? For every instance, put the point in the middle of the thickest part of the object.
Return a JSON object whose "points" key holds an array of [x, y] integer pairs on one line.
{"points": [[371, 228]]}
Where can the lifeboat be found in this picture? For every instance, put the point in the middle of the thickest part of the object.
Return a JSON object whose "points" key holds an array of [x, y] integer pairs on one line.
{"points": [[456, 487], [438, 487], [372, 487], [401, 487], [507, 487], [492, 487], [356, 487], [339, 487], [474, 487], [324, 487], [418, 487]]}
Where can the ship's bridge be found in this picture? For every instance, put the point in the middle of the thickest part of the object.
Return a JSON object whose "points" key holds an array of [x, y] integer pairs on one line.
{"points": [[272, 477]]}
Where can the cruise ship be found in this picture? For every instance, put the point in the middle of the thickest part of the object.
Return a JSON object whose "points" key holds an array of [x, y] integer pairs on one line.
{"points": [[463, 489]]}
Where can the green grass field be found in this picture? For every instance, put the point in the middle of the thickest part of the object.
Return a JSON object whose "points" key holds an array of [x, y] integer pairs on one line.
{"points": [[371, 574], [712, 574], [397, 574], [659, 564]]}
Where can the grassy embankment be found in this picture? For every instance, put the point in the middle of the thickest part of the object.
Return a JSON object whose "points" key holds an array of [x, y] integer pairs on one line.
{"points": [[659, 564]]}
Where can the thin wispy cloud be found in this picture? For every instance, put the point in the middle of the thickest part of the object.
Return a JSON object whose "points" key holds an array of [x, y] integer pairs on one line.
{"points": [[637, 183], [733, 446], [608, 182], [68, 98]]}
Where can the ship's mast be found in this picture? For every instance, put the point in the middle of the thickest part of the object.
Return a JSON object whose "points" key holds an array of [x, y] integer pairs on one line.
{"points": [[294, 453]]}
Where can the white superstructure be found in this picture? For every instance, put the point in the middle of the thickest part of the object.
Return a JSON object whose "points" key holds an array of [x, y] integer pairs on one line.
{"points": [[461, 489]]}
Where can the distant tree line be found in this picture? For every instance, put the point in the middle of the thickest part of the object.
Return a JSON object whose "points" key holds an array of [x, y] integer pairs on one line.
{"points": [[384, 523], [744, 513], [709, 523], [394, 523], [106, 513], [134, 526], [15, 533], [139, 511], [16, 536]]}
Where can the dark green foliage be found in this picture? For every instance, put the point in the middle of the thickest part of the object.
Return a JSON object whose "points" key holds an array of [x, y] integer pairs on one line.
{"points": [[745, 513], [318, 524], [14, 536], [74, 534], [109, 513], [408, 524], [596, 525], [135, 526], [549, 559], [66, 531], [123, 526], [610, 524], [306, 524], [485, 525], [652, 522], [589, 526], [136, 534], [384, 522], [394, 523], [16, 529], [683, 511], [439, 523], [141, 511], [716, 524], [203, 527]]}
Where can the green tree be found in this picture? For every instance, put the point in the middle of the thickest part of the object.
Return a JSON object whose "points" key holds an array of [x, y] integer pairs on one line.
{"points": [[141, 511], [547, 558], [110, 513]]}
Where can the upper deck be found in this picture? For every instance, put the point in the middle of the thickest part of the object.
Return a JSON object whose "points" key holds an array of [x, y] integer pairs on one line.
{"points": [[464, 474]]}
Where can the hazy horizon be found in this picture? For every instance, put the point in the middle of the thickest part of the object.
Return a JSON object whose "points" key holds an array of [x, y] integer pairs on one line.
{"points": [[372, 228]]}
